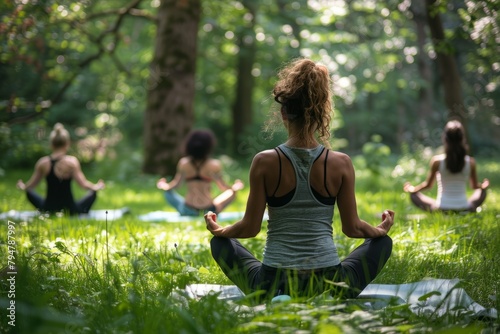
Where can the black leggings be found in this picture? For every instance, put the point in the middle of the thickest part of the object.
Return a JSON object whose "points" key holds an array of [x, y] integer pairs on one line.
{"points": [[81, 206], [357, 270]]}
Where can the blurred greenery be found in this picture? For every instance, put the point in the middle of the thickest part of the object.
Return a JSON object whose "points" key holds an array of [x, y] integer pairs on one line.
{"points": [[62, 61]]}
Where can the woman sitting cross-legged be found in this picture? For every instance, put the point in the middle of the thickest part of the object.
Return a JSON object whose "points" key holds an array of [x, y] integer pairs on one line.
{"points": [[452, 170], [300, 181], [59, 169], [198, 170]]}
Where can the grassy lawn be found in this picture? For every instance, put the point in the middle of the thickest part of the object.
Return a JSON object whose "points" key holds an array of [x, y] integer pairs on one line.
{"points": [[127, 276]]}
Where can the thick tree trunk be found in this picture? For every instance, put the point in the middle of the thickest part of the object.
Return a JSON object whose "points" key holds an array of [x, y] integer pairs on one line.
{"points": [[447, 65], [242, 107], [171, 87]]}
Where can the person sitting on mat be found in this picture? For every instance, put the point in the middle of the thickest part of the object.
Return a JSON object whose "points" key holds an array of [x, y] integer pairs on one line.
{"points": [[452, 170], [59, 169], [199, 170], [300, 181]]}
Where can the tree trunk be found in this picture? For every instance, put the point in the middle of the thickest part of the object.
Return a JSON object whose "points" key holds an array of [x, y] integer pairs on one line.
{"points": [[242, 107], [169, 111], [447, 65], [425, 97]]}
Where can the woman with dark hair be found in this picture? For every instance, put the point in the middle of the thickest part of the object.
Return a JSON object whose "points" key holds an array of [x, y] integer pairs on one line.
{"points": [[299, 182], [451, 170], [199, 170], [59, 169]]}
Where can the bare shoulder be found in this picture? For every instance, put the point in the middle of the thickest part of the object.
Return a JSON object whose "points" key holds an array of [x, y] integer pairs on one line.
{"points": [[436, 160], [214, 163], [70, 161], [265, 157], [339, 160], [264, 163], [184, 161], [438, 157], [43, 160], [43, 163]]}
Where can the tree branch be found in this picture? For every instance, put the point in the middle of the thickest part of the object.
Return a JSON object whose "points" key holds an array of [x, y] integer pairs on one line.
{"points": [[86, 62]]}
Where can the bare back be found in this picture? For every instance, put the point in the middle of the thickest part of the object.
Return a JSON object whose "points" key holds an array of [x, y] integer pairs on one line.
{"points": [[199, 176], [64, 168]]}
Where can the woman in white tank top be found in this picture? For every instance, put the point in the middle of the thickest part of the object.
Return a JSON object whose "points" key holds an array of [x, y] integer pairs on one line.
{"points": [[452, 170]]}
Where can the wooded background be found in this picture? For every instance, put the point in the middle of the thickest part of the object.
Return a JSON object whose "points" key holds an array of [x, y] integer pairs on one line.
{"points": [[135, 77]]}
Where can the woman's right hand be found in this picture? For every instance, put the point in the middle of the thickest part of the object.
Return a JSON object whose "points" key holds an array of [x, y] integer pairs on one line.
{"points": [[485, 184], [162, 184], [408, 187], [20, 185]]}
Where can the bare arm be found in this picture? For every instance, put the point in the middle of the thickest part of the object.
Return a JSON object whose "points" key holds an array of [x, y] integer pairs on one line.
{"points": [[219, 181], [176, 181], [251, 223], [352, 225], [216, 175], [38, 173], [81, 180], [473, 177], [429, 182]]}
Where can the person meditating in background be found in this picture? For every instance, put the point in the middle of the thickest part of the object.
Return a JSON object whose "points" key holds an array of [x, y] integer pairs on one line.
{"points": [[199, 170], [59, 169], [300, 181], [452, 170]]}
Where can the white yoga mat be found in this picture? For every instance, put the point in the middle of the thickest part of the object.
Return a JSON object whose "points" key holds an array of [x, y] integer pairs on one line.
{"points": [[93, 214], [175, 217]]}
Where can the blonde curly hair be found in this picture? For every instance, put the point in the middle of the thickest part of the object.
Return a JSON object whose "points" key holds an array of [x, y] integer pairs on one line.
{"points": [[304, 92]]}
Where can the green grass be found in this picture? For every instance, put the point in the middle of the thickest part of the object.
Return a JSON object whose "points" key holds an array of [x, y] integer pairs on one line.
{"points": [[127, 276]]}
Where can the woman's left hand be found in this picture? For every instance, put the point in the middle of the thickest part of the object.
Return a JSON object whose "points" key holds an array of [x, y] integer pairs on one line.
{"points": [[99, 185]]}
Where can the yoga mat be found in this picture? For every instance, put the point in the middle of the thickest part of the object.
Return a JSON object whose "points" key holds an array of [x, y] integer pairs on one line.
{"points": [[92, 215], [175, 217], [440, 296], [428, 297]]}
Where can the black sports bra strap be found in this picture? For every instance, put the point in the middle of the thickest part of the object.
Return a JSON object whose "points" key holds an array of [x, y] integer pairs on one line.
{"points": [[279, 176], [326, 159]]}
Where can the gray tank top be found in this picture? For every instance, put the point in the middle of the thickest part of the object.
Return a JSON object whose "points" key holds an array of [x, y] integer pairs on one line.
{"points": [[299, 233]]}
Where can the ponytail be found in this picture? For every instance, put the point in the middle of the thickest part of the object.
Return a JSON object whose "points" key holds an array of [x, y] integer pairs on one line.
{"points": [[304, 92]]}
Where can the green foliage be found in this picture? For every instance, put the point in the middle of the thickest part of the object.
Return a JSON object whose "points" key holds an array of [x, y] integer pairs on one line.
{"points": [[376, 155], [370, 47], [66, 63]]}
